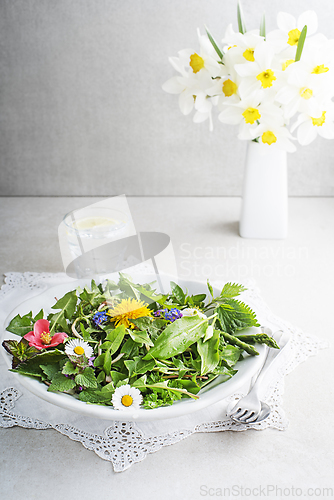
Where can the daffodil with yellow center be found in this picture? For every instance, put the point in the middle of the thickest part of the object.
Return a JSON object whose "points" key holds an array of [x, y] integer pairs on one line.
{"points": [[318, 122], [293, 37], [269, 138], [320, 69], [266, 78], [128, 309], [251, 115], [229, 88], [306, 93], [249, 55], [196, 62]]}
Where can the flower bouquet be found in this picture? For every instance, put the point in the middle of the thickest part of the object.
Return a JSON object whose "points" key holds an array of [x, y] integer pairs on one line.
{"points": [[270, 85], [124, 345]]}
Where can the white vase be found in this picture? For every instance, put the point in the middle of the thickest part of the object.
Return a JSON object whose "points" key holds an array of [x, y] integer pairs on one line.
{"points": [[264, 213]]}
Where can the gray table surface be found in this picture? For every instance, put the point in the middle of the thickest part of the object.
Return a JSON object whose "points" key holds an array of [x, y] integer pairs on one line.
{"points": [[296, 278]]}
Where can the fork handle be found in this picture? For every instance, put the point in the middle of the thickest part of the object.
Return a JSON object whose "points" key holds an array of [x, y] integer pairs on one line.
{"points": [[271, 356]]}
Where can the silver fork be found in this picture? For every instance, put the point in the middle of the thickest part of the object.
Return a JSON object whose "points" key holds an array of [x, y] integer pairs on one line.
{"points": [[249, 407]]}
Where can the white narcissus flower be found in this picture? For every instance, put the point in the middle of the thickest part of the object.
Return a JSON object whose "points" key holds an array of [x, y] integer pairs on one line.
{"points": [[274, 136], [290, 29], [240, 47], [78, 347], [248, 113], [260, 74], [320, 121], [126, 397]]}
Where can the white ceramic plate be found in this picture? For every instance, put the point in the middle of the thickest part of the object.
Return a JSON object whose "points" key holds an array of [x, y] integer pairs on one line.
{"points": [[211, 394]]}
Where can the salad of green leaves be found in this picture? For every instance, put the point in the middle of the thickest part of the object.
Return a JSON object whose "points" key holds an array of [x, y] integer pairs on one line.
{"points": [[168, 346]]}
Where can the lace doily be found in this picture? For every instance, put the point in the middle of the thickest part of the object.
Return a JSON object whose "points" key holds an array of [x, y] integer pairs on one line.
{"points": [[126, 443]]}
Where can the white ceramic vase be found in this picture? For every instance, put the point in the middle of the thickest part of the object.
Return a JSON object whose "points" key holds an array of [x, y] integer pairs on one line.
{"points": [[264, 213]]}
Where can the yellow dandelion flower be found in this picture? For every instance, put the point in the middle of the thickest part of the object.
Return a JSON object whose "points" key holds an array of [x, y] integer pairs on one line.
{"points": [[128, 309]]}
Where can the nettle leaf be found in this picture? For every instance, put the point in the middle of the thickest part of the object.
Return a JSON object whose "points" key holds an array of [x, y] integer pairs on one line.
{"points": [[235, 315], [60, 383], [178, 293], [177, 337], [231, 290], [209, 353], [50, 370], [86, 379]]}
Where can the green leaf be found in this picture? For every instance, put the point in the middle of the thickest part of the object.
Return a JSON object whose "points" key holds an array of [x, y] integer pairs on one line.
{"points": [[67, 305], [138, 366], [243, 345], [90, 396], [101, 377], [214, 44], [39, 315], [231, 290], [130, 348], [301, 42], [115, 338], [235, 315], [20, 325], [263, 26], [142, 323], [210, 289], [178, 293], [177, 337], [140, 337], [209, 353], [50, 370], [117, 377], [230, 354], [241, 22], [107, 362], [69, 368], [60, 383], [86, 379], [32, 365]]}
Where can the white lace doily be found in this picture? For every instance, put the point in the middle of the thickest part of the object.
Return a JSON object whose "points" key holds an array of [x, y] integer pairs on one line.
{"points": [[125, 443]]}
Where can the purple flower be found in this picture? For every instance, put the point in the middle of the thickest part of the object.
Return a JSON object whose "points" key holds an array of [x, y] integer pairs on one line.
{"points": [[91, 361]]}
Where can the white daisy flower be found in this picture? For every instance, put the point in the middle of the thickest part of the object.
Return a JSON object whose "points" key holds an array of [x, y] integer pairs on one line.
{"points": [[78, 347], [126, 397], [191, 311]]}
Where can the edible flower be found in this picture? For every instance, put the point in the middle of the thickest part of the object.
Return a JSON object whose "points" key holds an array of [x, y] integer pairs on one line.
{"points": [[99, 317], [41, 337], [126, 397], [78, 347], [171, 315], [128, 309]]}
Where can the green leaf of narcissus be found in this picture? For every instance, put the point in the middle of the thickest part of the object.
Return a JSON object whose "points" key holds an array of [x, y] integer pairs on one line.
{"points": [[209, 352], [177, 337], [60, 383], [235, 315], [20, 325], [86, 379]]}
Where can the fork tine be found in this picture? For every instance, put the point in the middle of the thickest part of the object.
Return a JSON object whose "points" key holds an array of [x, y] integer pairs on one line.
{"points": [[246, 416], [252, 418], [239, 413]]}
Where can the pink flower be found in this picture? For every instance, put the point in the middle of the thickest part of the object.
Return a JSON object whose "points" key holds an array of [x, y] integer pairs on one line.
{"points": [[41, 337]]}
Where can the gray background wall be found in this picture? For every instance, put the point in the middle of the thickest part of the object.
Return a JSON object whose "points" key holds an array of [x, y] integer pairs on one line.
{"points": [[82, 111]]}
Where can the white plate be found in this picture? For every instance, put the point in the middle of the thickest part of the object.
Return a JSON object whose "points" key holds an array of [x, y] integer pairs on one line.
{"points": [[211, 394]]}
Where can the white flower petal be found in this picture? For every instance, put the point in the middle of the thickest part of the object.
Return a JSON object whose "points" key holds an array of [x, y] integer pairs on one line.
{"points": [[230, 115], [306, 133], [310, 19], [286, 22], [173, 86], [186, 103]]}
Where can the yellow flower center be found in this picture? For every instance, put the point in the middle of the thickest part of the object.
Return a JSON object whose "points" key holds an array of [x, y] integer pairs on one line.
{"points": [[46, 338], [306, 93], [229, 88], [127, 400], [320, 69], [249, 55], [293, 37], [266, 78], [79, 350], [196, 62], [318, 122], [251, 115], [269, 137], [287, 63], [231, 47]]}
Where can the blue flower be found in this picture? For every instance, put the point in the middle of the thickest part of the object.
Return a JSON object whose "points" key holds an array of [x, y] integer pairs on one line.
{"points": [[169, 315], [100, 317]]}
